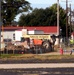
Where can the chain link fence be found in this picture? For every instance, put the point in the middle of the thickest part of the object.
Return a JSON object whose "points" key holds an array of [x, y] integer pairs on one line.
{"points": [[67, 43]]}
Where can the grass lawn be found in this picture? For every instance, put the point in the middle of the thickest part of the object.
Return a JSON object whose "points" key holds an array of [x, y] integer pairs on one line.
{"points": [[34, 56]]}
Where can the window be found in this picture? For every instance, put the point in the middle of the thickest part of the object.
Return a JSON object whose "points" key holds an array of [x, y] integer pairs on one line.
{"points": [[7, 40]]}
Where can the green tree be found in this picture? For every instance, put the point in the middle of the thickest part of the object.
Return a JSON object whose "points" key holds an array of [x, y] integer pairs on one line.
{"points": [[10, 8], [45, 17]]}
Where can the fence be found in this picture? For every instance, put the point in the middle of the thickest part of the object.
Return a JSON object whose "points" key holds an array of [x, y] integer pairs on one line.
{"points": [[66, 43]]}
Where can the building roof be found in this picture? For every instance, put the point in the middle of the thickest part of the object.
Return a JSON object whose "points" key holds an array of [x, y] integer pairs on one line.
{"points": [[46, 29]]}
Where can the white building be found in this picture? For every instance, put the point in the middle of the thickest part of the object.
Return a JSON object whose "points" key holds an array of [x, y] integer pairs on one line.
{"points": [[7, 35], [19, 33], [15, 33]]}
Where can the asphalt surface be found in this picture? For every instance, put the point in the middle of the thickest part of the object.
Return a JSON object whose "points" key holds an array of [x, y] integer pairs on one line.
{"points": [[38, 71]]}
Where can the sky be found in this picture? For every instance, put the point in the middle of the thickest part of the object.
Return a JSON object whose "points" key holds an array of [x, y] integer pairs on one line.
{"points": [[41, 3], [48, 3]]}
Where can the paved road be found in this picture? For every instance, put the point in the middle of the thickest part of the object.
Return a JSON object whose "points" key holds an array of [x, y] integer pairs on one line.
{"points": [[38, 71], [37, 65]]}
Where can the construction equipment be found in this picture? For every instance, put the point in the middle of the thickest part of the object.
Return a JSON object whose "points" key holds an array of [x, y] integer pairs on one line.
{"points": [[40, 43], [35, 43]]}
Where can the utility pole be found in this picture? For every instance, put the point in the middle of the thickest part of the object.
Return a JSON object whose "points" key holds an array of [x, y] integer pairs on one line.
{"points": [[0, 27], [58, 17], [70, 20], [67, 20], [0, 14], [73, 18]]}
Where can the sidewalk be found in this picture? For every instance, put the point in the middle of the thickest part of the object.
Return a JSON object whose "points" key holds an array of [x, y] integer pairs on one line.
{"points": [[38, 65]]}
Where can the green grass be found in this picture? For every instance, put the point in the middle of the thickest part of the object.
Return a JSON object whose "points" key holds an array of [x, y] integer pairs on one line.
{"points": [[9, 55], [34, 56]]}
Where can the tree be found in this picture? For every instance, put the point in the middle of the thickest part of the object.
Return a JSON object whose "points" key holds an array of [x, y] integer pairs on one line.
{"points": [[45, 17], [10, 8], [32, 19]]}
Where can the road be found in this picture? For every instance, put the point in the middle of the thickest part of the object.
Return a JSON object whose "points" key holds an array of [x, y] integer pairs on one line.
{"points": [[37, 65], [37, 69]]}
